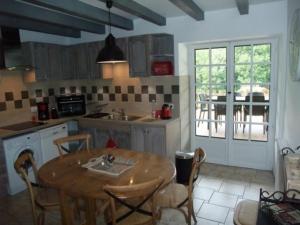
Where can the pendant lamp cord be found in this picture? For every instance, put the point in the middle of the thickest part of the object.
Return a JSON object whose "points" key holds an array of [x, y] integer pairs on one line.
{"points": [[109, 4]]}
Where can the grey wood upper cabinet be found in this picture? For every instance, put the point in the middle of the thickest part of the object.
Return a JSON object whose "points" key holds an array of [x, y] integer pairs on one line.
{"points": [[55, 60], [146, 49], [93, 48], [68, 70], [138, 48], [80, 60], [122, 43]]}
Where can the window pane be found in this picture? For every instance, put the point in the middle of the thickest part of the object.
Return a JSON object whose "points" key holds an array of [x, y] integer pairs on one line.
{"points": [[241, 131], [241, 91], [242, 54], [202, 112], [218, 130], [218, 56], [262, 53], [242, 74], [218, 90], [202, 56], [261, 73], [220, 112], [202, 93], [202, 128], [218, 74], [259, 132], [202, 75]]}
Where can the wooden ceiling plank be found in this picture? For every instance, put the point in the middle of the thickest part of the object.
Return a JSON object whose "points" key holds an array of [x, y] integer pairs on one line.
{"points": [[32, 25], [190, 8], [139, 10], [13, 8], [82, 10], [243, 6]]}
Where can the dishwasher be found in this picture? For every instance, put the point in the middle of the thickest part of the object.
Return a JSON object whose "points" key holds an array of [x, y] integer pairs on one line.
{"points": [[48, 135]]}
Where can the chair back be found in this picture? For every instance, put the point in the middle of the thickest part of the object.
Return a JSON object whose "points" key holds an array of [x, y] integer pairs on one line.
{"points": [[83, 139], [23, 163], [198, 160], [220, 109], [203, 106], [257, 110], [133, 197]]}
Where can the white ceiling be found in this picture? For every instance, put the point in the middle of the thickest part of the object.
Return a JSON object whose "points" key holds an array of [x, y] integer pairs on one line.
{"points": [[167, 9]]}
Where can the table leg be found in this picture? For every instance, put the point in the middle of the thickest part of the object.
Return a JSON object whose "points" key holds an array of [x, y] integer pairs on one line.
{"points": [[64, 209], [90, 211]]}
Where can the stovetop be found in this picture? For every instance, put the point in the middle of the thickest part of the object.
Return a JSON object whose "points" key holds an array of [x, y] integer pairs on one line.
{"points": [[22, 126]]}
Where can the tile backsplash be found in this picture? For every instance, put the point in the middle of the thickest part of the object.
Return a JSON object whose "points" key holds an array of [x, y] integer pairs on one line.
{"points": [[135, 95]]}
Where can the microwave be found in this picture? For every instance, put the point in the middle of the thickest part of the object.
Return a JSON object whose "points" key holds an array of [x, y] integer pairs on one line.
{"points": [[72, 105]]}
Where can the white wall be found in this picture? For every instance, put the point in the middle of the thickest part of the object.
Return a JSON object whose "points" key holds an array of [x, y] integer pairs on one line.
{"points": [[291, 128]]}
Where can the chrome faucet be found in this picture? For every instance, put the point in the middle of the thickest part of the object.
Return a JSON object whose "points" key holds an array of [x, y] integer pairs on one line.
{"points": [[119, 112]]}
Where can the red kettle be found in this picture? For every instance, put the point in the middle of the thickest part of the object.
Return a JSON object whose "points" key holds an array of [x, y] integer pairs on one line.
{"points": [[166, 112]]}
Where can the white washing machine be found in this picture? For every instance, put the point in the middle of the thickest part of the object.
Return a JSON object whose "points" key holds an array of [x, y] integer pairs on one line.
{"points": [[13, 147]]}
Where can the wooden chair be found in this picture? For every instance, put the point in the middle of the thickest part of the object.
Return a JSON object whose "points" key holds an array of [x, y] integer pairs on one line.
{"points": [[83, 139], [42, 199], [137, 203], [178, 195]]}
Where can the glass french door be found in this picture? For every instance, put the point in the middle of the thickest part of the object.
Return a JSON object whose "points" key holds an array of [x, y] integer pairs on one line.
{"points": [[232, 114]]}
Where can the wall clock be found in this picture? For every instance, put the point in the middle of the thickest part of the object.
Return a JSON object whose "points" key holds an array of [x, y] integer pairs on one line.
{"points": [[294, 48]]}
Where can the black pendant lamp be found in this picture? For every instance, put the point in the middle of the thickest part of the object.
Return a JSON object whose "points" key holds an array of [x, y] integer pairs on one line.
{"points": [[111, 53]]}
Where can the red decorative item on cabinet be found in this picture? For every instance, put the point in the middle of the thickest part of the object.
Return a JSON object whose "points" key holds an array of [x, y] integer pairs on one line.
{"points": [[162, 68]]}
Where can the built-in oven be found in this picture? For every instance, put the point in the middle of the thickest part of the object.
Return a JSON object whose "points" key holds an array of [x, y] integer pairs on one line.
{"points": [[72, 105]]}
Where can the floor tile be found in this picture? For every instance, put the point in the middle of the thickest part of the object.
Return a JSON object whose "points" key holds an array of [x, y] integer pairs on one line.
{"points": [[203, 193], [213, 212], [232, 188], [229, 219], [201, 221], [197, 204], [223, 199], [212, 183], [251, 193]]}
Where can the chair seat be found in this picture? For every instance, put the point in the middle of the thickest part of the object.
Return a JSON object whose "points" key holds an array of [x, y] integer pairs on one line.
{"points": [[246, 213], [47, 198], [135, 218], [172, 195]]}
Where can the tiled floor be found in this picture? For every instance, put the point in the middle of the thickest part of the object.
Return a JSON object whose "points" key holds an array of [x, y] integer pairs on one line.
{"points": [[216, 194]]}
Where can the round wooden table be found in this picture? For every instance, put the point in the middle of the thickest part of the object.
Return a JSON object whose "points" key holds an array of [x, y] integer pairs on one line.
{"points": [[70, 178]]}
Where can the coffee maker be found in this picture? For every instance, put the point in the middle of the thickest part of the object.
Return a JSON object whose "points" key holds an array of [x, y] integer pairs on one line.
{"points": [[43, 111]]}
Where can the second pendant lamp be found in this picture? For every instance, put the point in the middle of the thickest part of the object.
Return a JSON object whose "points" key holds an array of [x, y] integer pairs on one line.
{"points": [[110, 53]]}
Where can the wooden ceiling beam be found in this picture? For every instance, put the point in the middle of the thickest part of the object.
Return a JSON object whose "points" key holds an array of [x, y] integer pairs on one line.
{"points": [[32, 25], [13, 8], [243, 6], [190, 8], [86, 11], [139, 10]]}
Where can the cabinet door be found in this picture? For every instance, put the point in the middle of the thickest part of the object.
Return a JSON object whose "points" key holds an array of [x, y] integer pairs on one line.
{"points": [[67, 63], [101, 137], [40, 52], [122, 43], [155, 140], [93, 49], [55, 61], [80, 55], [27, 53], [161, 44], [122, 139], [138, 56], [137, 138]]}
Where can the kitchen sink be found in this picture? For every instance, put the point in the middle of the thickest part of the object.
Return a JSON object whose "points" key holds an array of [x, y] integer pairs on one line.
{"points": [[148, 120], [96, 115], [122, 118]]}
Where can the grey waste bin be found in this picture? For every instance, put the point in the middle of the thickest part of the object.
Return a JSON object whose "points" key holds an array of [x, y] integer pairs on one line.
{"points": [[183, 163]]}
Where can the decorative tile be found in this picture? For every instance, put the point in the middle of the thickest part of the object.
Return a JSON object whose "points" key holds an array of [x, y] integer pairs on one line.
{"points": [[62, 90], [83, 89], [138, 98], [89, 97], [159, 89], [32, 102], [73, 89], [94, 89], [152, 97], [118, 89], [9, 96], [105, 89], [130, 89], [38, 93], [112, 97], [51, 92], [124, 97], [145, 89], [175, 89], [100, 97], [24, 95], [2, 106], [18, 104], [167, 98]]}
